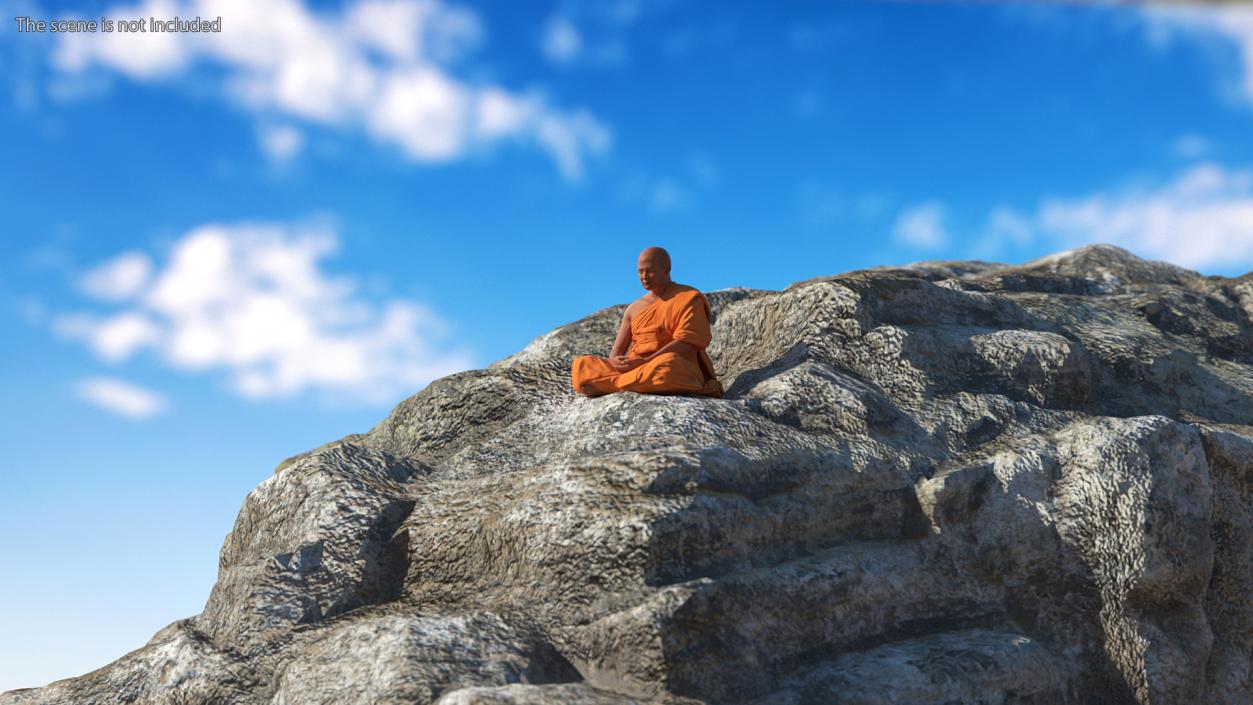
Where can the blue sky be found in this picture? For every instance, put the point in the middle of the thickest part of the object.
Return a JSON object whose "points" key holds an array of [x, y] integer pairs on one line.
{"points": [[222, 250]]}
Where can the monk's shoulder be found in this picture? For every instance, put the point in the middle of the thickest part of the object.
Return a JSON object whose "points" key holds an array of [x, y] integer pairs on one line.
{"points": [[635, 306], [684, 294]]}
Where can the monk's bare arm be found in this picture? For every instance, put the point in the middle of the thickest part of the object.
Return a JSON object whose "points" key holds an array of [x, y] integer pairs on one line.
{"points": [[623, 342]]}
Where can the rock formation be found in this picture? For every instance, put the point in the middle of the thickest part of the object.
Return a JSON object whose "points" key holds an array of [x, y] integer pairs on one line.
{"points": [[950, 482]]}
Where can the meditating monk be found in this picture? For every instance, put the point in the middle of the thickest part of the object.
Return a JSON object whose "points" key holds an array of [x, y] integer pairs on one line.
{"points": [[660, 348]]}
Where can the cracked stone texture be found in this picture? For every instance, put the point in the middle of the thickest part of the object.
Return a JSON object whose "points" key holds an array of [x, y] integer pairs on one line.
{"points": [[957, 482]]}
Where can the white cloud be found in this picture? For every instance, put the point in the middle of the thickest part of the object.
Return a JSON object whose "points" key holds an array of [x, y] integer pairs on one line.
{"points": [[253, 301], [140, 55], [1202, 218], [406, 30], [561, 42], [567, 137], [424, 112], [120, 278], [121, 397], [115, 338], [1008, 224], [498, 113], [1232, 25], [588, 35], [280, 142], [382, 67], [922, 226]]}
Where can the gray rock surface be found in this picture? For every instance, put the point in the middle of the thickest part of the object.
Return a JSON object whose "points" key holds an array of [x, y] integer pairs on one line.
{"points": [[951, 482]]}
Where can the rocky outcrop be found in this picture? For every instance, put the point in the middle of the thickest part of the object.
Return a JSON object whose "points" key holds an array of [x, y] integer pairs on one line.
{"points": [[953, 482]]}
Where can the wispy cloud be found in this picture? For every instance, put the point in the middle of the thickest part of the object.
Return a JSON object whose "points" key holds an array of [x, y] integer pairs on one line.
{"points": [[253, 301], [121, 397], [119, 278], [114, 338], [667, 196], [561, 42], [922, 226], [1229, 25], [681, 190], [589, 34], [281, 143], [1203, 217], [382, 67], [824, 206]]}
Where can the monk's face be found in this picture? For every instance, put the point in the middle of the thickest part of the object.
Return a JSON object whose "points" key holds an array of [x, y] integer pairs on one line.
{"points": [[654, 271]]}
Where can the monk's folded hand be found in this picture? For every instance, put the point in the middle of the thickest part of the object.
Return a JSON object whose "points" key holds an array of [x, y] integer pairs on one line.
{"points": [[621, 363]]}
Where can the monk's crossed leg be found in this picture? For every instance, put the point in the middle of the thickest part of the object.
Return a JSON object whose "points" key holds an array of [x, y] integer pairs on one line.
{"points": [[593, 376], [666, 373]]}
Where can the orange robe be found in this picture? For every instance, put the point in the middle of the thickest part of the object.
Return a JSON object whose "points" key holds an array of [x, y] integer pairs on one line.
{"points": [[681, 313]]}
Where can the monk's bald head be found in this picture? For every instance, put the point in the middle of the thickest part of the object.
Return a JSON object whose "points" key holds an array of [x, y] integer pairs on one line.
{"points": [[658, 256], [654, 269]]}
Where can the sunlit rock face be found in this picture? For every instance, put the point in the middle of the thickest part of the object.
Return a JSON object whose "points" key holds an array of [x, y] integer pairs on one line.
{"points": [[952, 482]]}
